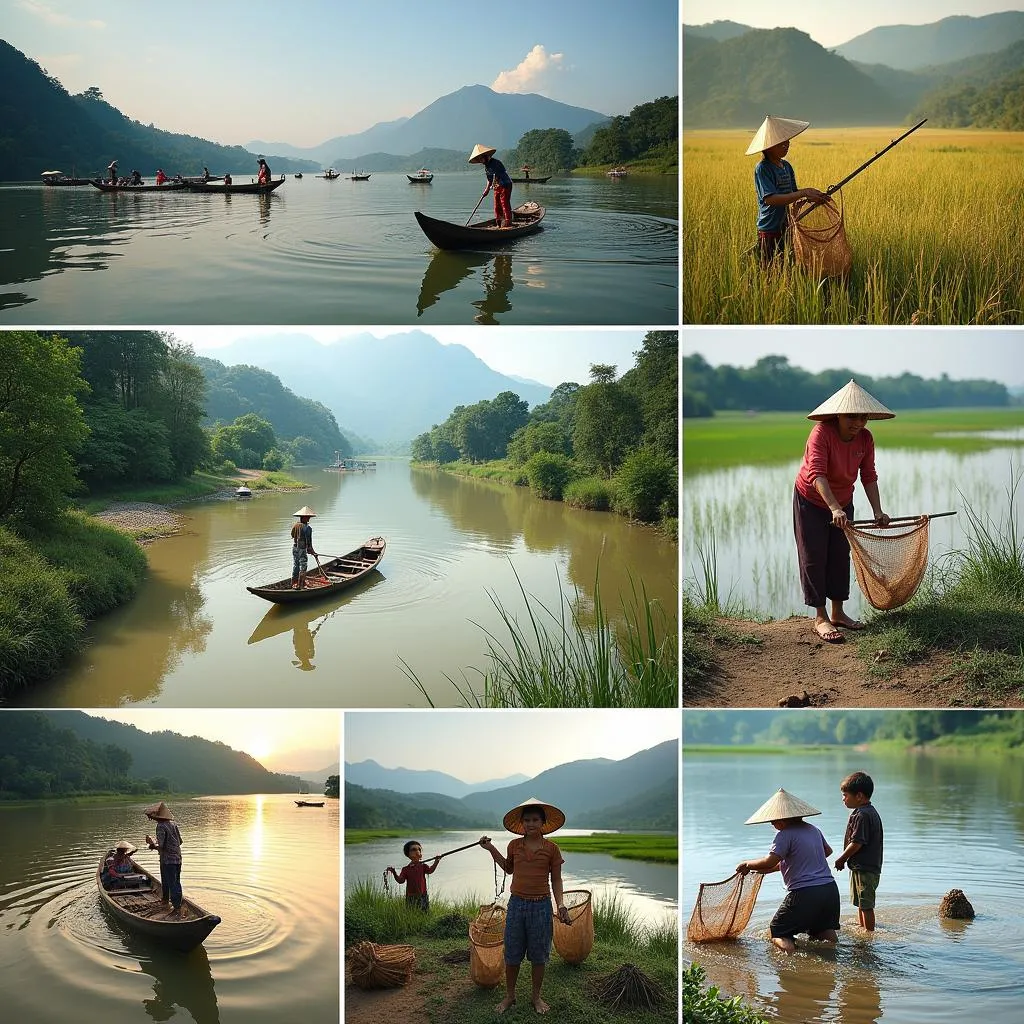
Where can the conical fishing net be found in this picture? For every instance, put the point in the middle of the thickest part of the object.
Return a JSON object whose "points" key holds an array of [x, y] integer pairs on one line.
{"points": [[574, 941], [890, 561], [487, 946], [819, 239], [723, 909]]}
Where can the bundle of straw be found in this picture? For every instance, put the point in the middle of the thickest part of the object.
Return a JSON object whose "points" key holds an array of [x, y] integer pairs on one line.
{"points": [[373, 966], [628, 988]]}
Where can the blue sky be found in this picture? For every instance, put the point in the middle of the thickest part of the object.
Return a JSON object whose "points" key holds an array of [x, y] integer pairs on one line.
{"points": [[832, 22], [303, 72]]}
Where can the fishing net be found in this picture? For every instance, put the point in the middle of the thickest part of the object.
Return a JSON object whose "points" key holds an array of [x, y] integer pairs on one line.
{"points": [[819, 238], [574, 941], [487, 946], [373, 966], [890, 561], [723, 909]]}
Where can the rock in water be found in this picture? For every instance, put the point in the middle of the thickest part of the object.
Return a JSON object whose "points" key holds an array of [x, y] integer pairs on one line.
{"points": [[956, 905]]}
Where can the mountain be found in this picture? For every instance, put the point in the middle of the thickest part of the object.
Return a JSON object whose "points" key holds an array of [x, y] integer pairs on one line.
{"points": [[719, 31], [424, 381], [45, 128], [406, 780], [909, 47], [735, 82], [457, 121], [319, 775], [382, 808], [380, 130], [191, 764]]}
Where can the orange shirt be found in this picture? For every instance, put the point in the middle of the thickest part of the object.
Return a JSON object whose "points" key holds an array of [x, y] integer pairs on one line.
{"points": [[531, 869], [838, 461]]}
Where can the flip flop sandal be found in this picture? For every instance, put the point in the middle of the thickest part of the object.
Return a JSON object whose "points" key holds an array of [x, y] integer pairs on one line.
{"points": [[833, 636], [847, 625]]}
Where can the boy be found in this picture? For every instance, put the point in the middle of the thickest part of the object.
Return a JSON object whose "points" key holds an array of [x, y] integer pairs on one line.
{"points": [[531, 861], [414, 874], [862, 846]]}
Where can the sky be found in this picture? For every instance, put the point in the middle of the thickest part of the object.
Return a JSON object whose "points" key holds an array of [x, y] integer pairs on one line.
{"points": [[280, 740], [550, 357], [475, 746], [237, 70], [987, 353], [832, 22]]}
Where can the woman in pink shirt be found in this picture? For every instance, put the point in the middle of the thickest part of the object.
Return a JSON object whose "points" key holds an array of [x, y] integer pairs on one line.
{"points": [[839, 447]]}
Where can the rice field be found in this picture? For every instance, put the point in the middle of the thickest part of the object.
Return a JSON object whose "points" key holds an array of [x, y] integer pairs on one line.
{"points": [[934, 225]]}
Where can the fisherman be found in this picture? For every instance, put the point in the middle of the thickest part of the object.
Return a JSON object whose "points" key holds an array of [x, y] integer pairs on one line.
{"points": [[302, 546], [112, 172], [498, 179], [168, 843]]}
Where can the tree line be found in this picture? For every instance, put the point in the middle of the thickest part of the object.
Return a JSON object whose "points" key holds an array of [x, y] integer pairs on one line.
{"points": [[610, 443], [773, 384]]}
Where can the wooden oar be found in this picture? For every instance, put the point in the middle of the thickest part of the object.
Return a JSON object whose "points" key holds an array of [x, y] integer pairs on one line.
{"points": [[475, 208], [900, 519]]}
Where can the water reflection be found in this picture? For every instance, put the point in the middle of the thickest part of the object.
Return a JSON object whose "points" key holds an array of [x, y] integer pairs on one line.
{"points": [[446, 270], [184, 981], [498, 283]]}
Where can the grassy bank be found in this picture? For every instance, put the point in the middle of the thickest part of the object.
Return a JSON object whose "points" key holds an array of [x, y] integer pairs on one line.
{"points": [[447, 993], [771, 438], [354, 836], [90, 799], [658, 849]]}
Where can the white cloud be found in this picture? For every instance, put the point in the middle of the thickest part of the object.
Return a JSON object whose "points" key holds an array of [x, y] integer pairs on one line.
{"points": [[52, 17], [532, 72]]}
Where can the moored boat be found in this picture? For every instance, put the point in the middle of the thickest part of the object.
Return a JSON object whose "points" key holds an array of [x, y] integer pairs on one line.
{"points": [[526, 219], [340, 573], [309, 803], [243, 188], [421, 177], [138, 906], [358, 177], [330, 174], [243, 492], [59, 178], [618, 172], [167, 186]]}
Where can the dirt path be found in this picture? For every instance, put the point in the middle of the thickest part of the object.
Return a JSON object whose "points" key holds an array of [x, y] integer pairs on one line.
{"points": [[768, 662], [408, 1003]]}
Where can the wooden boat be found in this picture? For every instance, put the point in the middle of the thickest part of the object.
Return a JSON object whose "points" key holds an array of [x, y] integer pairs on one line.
{"points": [[526, 219], [528, 181], [618, 172], [358, 177], [341, 573], [421, 177], [249, 187], [299, 175], [139, 907], [330, 174], [59, 178], [168, 186], [198, 179], [309, 803]]}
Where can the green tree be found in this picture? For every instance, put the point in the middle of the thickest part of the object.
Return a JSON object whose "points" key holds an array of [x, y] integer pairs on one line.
{"points": [[254, 433], [608, 422], [537, 437], [545, 149], [273, 461], [332, 787], [422, 449], [41, 423], [183, 392], [548, 474], [644, 484]]}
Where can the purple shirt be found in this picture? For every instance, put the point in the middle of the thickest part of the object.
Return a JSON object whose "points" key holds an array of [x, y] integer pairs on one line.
{"points": [[801, 848]]}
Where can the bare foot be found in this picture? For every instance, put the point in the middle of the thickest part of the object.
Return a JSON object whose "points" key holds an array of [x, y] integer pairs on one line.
{"points": [[540, 1006], [846, 622], [505, 1004], [828, 632]]}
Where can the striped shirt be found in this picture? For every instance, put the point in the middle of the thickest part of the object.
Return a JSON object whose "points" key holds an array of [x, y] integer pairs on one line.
{"points": [[168, 840]]}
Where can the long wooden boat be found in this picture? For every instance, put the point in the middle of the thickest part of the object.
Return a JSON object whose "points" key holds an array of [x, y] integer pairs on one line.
{"points": [[198, 179], [169, 186], [248, 187], [527, 181], [140, 908], [309, 803], [341, 573], [526, 219]]}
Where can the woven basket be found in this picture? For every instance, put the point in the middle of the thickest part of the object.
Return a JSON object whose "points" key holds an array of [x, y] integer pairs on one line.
{"points": [[574, 941], [487, 946], [373, 966]]}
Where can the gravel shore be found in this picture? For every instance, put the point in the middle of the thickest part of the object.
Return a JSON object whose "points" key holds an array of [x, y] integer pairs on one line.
{"points": [[142, 515]]}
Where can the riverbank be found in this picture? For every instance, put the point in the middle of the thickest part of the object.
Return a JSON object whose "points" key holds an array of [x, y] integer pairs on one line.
{"points": [[440, 989], [87, 799], [355, 836], [647, 846]]}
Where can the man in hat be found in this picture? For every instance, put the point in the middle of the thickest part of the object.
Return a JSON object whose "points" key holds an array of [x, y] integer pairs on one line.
{"points": [[839, 447], [302, 546], [532, 861], [168, 843], [117, 866], [801, 853], [775, 181], [498, 179]]}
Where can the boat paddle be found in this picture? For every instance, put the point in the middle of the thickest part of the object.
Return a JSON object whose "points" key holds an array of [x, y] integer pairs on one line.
{"points": [[475, 208]]}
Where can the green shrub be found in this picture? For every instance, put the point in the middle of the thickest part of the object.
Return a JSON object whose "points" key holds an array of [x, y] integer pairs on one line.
{"points": [[706, 1006], [591, 492], [273, 460], [548, 474], [644, 485]]}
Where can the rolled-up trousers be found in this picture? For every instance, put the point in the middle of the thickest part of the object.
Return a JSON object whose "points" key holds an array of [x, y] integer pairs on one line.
{"points": [[823, 552]]}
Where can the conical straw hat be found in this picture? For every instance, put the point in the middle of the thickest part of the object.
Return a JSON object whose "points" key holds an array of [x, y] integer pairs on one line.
{"points": [[304, 511], [781, 805], [774, 130], [852, 400], [513, 820], [160, 811], [479, 152]]}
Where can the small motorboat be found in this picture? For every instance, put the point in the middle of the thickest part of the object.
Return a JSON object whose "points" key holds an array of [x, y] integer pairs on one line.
{"points": [[358, 177], [526, 219], [330, 174], [421, 177], [243, 492], [54, 178], [309, 803], [338, 574]]}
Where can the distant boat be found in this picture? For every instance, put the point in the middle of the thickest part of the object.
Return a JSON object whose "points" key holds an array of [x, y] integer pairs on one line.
{"points": [[60, 178], [421, 177], [330, 174], [358, 177], [528, 180], [309, 803], [618, 172], [243, 492], [252, 187], [526, 219], [299, 175]]}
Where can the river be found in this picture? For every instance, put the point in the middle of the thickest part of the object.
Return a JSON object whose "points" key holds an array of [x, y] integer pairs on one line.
{"points": [[954, 821], [193, 636], [274, 957], [338, 252], [648, 891]]}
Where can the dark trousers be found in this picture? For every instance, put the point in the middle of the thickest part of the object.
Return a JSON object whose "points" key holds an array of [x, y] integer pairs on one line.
{"points": [[770, 244], [170, 879], [823, 552]]}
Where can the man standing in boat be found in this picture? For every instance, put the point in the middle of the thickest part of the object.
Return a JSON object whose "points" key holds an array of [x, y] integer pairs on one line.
{"points": [[168, 843], [498, 179], [112, 172], [302, 546]]}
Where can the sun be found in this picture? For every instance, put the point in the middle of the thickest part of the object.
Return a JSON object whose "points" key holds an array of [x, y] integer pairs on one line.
{"points": [[259, 747]]}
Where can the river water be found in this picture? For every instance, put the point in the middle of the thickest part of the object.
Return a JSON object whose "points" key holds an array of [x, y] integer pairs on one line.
{"points": [[648, 891], [194, 637], [338, 252], [274, 957], [950, 822]]}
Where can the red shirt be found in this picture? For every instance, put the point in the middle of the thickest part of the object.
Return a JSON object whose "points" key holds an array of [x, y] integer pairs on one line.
{"points": [[838, 461], [415, 877]]}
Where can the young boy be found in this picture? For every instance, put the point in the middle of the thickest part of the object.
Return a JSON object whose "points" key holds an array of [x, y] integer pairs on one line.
{"points": [[775, 181], [532, 861], [862, 846], [414, 875]]}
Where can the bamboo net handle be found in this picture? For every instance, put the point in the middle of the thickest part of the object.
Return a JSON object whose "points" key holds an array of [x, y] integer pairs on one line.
{"points": [[900, 519]]}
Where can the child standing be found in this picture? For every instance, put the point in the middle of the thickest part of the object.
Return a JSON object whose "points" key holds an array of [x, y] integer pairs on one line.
{"points": [[775, 181], [532, 861], [414, 875], [862, 846]]}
